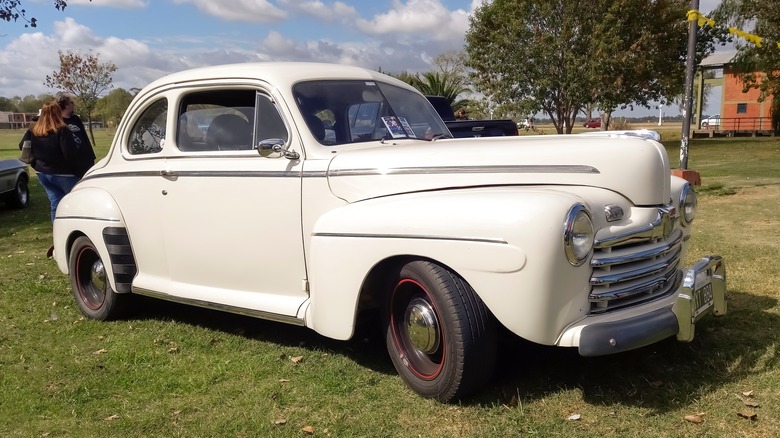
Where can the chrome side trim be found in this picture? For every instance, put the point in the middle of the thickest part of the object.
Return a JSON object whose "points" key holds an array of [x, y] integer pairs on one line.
{"points": [[90, 218], [222, 307], [412, 236], [359, 172], [465, 170]]}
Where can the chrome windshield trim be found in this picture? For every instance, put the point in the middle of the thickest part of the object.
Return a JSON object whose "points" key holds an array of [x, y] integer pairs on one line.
{"points": [[464, 170], [412, 236], [221, 307]]}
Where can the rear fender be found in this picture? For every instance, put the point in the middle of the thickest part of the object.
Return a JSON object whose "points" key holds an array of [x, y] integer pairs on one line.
{"points": [[85, 212]]}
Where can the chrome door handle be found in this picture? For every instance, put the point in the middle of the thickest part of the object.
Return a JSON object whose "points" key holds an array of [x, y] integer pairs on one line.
{"points": [[167, 173]]}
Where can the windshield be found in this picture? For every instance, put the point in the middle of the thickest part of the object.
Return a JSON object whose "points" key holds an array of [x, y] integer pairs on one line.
{"points": [[342, 112]]}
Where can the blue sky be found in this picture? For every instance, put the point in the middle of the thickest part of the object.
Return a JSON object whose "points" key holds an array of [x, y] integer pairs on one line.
{"points": [[147, 39]]}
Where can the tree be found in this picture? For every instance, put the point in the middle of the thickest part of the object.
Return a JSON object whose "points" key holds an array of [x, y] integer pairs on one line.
{"points": [[759, 66], [85, 77], [561, 56], [12, 10], [113, 106]]}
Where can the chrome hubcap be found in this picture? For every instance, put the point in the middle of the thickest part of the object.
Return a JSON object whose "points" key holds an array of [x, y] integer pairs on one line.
{"points": [[97, 275], [421, 326]]}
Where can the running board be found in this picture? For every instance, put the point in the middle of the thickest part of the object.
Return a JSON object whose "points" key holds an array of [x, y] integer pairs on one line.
{"points": [[221, 307]]}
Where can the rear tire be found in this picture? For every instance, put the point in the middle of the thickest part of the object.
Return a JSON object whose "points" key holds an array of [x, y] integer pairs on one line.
{"points": [[91, 288], [440, 335]]}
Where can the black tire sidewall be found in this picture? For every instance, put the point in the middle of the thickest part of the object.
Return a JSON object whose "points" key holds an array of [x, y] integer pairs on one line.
{"points": [[108, 309], [450, 382]]}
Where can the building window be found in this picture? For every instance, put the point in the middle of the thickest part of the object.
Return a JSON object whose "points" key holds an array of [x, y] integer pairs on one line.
{"points": [[741, 108]]}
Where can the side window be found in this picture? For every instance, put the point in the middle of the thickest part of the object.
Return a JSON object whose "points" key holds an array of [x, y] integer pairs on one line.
{"points": [[148, 133], [269, 122], [216, 120]]}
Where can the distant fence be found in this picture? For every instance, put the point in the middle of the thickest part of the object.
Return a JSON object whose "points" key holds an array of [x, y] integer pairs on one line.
{"points": [[737, 127], [741, 124]]}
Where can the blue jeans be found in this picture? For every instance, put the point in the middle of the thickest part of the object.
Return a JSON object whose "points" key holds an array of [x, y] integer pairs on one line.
{"points": [[56, 186]]}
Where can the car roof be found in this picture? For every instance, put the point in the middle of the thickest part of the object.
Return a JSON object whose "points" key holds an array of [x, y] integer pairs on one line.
{"points": [[281, 74]]}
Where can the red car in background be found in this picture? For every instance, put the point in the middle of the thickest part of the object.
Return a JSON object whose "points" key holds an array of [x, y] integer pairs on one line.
{"points": [[592, 123]]}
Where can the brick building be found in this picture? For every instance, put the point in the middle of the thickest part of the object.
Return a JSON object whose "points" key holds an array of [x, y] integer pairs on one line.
{"points": [[740, 111]]}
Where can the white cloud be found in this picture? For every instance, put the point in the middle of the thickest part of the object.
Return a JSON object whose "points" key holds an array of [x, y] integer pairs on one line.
{"points": [[111, 3], [337, 11], [427, 18], [251, 11]]}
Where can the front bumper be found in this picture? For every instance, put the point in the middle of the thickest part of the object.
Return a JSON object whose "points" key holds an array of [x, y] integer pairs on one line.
{"points": [[703, 292]]}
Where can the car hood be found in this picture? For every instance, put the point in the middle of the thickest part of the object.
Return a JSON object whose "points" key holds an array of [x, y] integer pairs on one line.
{"points": [[636, 168]]}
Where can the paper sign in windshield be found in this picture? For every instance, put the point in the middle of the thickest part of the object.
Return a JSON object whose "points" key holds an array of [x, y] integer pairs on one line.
{"points": [[398, 127]]}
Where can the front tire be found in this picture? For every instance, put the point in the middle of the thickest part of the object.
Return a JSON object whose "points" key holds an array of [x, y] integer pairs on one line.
{"points": [[20, 197], [91, 288], [440, 335]]}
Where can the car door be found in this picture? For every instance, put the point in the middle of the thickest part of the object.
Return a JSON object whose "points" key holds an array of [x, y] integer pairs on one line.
{"points": [[232, 217]]}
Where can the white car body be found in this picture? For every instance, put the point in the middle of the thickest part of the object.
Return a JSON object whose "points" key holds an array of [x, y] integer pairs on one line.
{"points": [[711, 122], [304, 231]]}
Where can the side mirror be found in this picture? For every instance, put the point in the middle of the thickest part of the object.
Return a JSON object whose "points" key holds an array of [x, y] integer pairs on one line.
{"points": [[276, 146]]}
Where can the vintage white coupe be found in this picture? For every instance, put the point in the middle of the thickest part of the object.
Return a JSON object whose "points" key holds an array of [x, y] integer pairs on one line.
{"points": [[308, 193]]}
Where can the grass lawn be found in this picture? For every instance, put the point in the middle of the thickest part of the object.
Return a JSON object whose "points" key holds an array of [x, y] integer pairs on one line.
{"points": [[181, 371]]}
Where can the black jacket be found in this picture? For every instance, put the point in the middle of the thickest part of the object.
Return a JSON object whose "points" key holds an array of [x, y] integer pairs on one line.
{"points": [[57, 153]]}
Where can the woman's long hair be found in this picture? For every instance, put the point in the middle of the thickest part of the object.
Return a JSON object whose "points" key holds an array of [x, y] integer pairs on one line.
{"points": [[50, 120]]}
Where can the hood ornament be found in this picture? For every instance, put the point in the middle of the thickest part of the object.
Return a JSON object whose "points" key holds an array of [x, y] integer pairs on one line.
{"points": [[613, 212]]}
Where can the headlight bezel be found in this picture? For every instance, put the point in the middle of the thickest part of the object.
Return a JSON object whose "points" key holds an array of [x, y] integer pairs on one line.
{"points": [[688, 204], [573, 235]]}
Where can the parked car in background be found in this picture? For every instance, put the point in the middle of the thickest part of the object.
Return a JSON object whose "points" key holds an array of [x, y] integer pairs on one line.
{"points": [[14, 183], [711, 122], [460, 128], [592, 123], [569, 241], [526, 125]]}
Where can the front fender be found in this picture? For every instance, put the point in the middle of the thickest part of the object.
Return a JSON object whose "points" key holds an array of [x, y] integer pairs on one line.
{"points": [[85, 211], [505, 242]]}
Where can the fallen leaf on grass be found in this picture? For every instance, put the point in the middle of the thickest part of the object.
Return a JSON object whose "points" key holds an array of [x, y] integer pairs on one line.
{"points": [[296, 359], [173, 350], [748, 393], [280, 422], [284, 380], [308, 430], [101, 351], [112, 417], [657, 383], [751, 404], [696, 418], [752, 416], [574, 417]]}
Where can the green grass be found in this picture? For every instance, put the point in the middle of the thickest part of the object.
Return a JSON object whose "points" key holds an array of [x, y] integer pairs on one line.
{"points": [[180, 371]]}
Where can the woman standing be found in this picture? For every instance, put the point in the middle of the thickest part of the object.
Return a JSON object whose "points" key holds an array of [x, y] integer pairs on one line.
{"points": [[57, 159]]}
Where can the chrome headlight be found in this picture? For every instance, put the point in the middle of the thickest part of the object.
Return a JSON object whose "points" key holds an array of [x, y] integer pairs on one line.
{"points": [[578, 235], [688, 204]]}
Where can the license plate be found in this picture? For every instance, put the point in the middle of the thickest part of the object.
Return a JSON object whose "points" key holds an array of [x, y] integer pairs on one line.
{"points": [[703, 299]]}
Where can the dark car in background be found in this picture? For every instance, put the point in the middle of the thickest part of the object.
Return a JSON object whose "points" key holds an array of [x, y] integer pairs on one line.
{"points": [[592, 123], [14, 180]]}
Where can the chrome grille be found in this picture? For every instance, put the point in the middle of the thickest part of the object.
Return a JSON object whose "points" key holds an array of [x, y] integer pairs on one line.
{"points": [[637, 266]]}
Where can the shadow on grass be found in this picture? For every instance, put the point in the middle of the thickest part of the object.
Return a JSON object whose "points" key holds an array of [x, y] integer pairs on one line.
{"points": [[661, 377], [366, 347]]}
